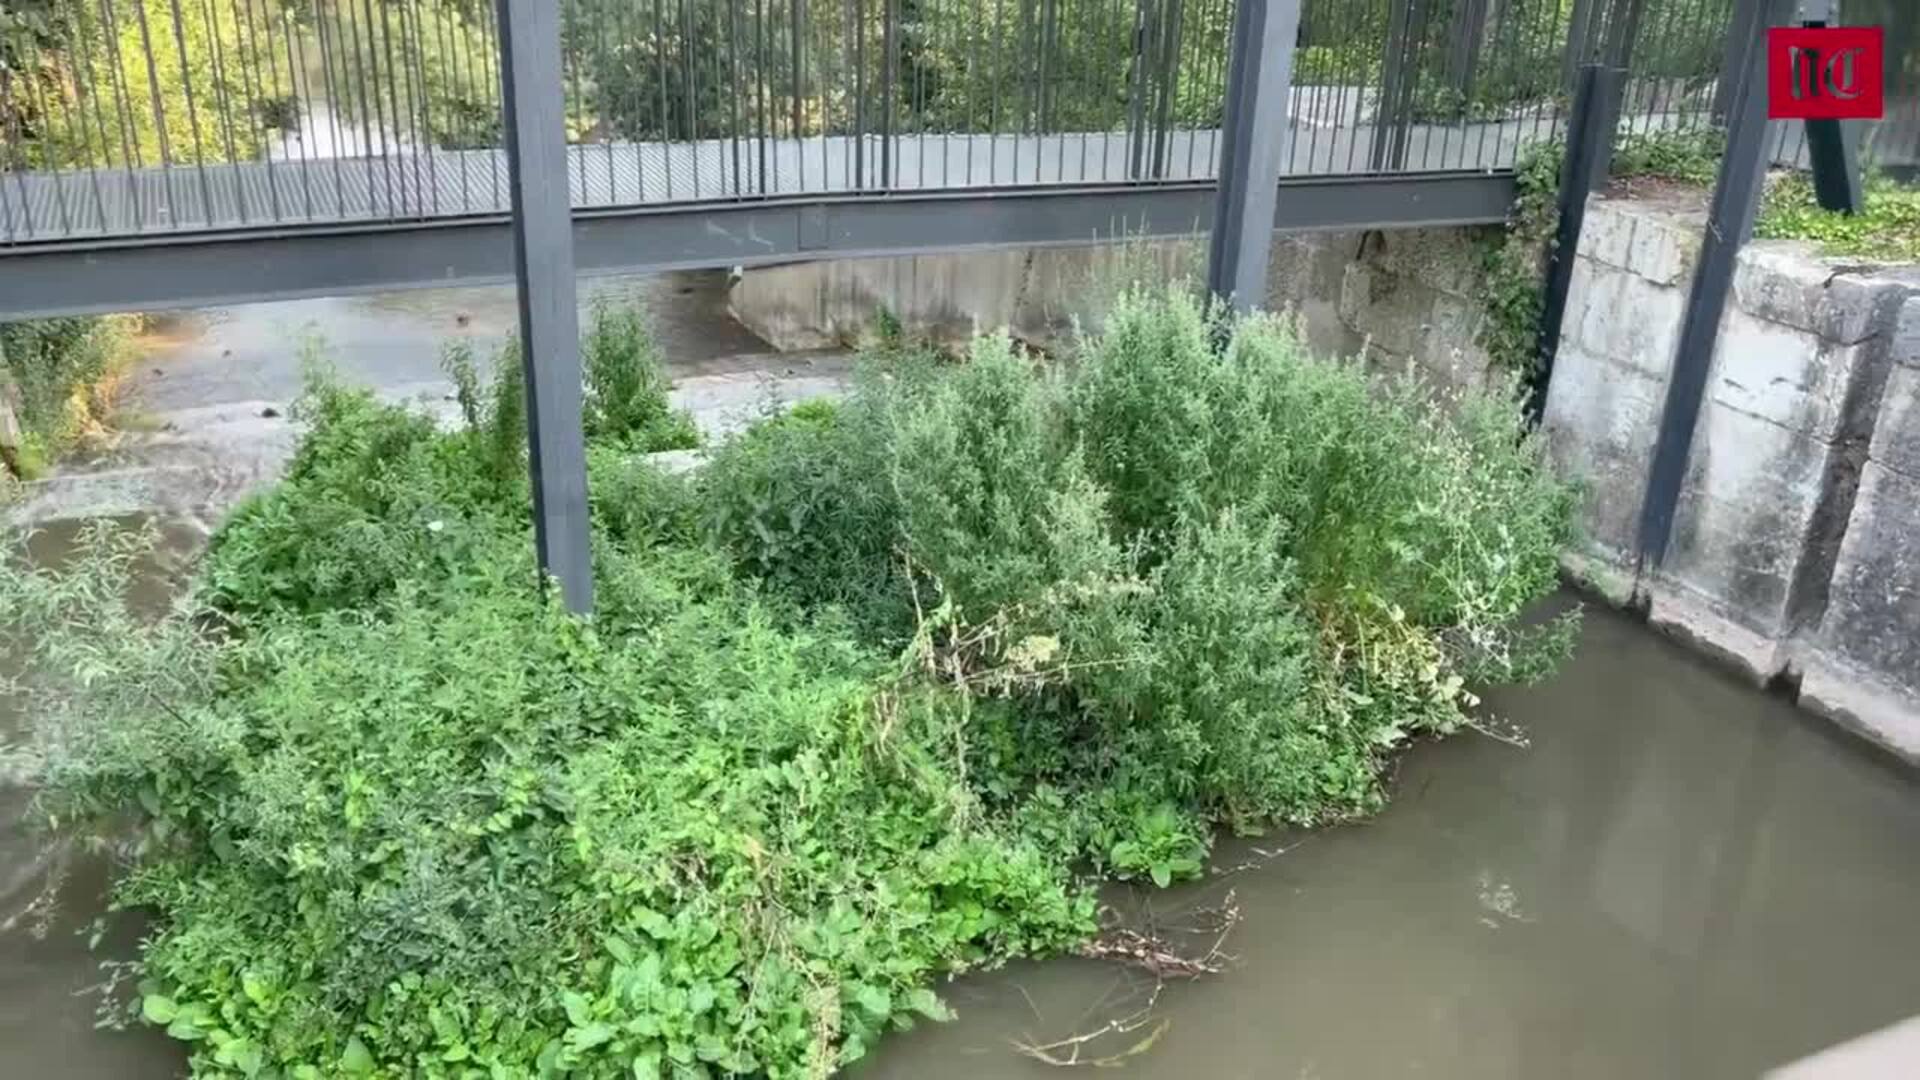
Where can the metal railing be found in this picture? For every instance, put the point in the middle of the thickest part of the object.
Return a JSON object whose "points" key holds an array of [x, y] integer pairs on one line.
{"points": [[127, 117]]}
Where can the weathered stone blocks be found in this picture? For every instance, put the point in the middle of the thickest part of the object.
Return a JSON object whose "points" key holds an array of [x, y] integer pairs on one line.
{"points": [[1795, 548]]}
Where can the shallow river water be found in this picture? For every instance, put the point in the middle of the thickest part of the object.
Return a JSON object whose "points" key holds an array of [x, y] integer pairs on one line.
{"points": [[1680, 876]]}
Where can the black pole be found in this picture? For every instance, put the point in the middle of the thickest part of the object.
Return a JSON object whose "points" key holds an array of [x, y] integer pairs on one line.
{"points": [[1736, 197], [530, 81], [1258, 74]]}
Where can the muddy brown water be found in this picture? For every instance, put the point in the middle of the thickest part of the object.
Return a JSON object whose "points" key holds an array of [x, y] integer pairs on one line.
{"points": [[1679, 877]]}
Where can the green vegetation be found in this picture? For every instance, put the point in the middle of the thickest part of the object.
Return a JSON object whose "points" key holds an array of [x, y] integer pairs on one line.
{"points": [[68, 53], [1888, 228], [1516, 267], [859, 705], [56, 380]]}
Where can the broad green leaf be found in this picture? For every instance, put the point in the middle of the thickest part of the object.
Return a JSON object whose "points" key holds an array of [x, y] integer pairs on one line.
{"points": [[355, 1060], [928, 1004], [158, 1009]]}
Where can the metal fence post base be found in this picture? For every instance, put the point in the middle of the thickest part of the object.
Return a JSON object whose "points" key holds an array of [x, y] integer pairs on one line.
{"points": [[530, 78]]}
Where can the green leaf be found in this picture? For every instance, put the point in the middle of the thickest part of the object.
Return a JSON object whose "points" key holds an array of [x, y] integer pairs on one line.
{"points": [[355, 1060], [872, 999], [591, 1035], [255, 988], [1162, 874], [158, 1009], [928, 1004], [579, 1009]]}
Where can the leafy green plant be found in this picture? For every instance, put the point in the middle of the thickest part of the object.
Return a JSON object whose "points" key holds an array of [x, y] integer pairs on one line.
{"points": [[626, 398], [1515, 268], [458, 829], [58, 375], [1887, 228], [793, 500], [398, 813]]}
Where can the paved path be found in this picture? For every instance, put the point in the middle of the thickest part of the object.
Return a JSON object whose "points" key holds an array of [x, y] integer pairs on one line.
{"points": [[438, 184]]}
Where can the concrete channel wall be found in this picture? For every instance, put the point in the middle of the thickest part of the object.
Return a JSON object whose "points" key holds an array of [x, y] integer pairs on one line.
{"points": [[1404, 297], [1795, 552]]}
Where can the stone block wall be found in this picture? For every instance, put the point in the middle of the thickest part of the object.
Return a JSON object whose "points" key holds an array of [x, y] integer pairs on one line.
{"points": [[1404, 297], [1864, 667], [1783, 557]]}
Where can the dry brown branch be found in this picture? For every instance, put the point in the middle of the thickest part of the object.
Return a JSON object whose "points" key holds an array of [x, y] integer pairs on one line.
{"points": [[1153, 952]]}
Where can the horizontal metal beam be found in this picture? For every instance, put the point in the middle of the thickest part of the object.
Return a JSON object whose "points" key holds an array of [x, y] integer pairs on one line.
{"points": [[185, 270]]}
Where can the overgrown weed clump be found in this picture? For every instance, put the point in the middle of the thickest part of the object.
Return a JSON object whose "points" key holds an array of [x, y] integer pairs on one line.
{"points": [[861, 705]]}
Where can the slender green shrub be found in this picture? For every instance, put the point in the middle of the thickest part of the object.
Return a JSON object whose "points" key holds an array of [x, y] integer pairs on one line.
{"points": [[626, 399], [1252, 571], [376, 494], [794, 498]]}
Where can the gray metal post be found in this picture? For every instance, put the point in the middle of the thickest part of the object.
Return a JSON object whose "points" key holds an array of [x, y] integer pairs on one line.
{"points": [[530, 81], [1833, 146], [1736, 197], [1255, 130], [1581, 27]]}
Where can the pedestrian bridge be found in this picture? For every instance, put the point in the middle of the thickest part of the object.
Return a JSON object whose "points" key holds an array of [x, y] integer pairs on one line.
{"points": [[165, 153]]}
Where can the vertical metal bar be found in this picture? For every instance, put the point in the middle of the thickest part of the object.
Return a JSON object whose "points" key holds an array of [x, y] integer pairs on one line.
{"points": [[250, 71], [889, 61], [1579, 38], [661, 117], [1736, 197], [1256, 117], [1171, 26], [733, 79], [690, 66], [797, 62], [1616, 57], [56, 176], [193, 114], [85, 95], [760, 110], [1832, 150], [159, 115], [1396, 80], [210, 13], [1739, 41], [531, 90], [450, 48], [857, 19]]}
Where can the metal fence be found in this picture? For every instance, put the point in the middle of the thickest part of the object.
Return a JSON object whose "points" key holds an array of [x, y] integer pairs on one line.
{"points": [[136, 116]]}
